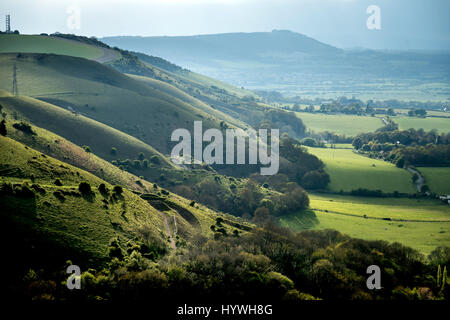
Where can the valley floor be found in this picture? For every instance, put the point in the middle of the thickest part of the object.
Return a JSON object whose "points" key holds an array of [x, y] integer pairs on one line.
{"points": [[422, 224]]}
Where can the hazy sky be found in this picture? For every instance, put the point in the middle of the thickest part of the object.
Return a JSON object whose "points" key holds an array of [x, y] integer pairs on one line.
{"points": [[405, 24]]}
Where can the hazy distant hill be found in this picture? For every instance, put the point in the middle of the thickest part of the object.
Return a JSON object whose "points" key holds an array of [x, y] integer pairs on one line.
{"points": [[295, 64], [255, 45]]}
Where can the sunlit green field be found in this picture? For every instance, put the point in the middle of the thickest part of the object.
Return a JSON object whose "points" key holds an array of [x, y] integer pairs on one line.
{"points": [[438, 179], [394, 208], [423, 236], [349, 171], [45, 44], [347, 124], [440, 124]]}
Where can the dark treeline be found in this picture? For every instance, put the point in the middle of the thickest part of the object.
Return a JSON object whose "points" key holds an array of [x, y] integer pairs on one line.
{"points": [[431, 155], [270, 263], [415, 147], [277, 97], [403, 137]]}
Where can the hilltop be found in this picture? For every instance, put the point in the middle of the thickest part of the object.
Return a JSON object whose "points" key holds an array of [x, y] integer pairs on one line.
{"points": [[255, 45], [296, 65]]}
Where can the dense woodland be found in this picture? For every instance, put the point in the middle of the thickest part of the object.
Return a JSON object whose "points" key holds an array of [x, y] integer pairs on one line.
{"points": [[270, 263], [407, 147]]}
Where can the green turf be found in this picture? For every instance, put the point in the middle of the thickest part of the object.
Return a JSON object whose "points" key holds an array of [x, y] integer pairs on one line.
{"points": [[349, 125], [81, 222], [105, 95], [423, 236], [438, 179], [440, 124], [79, 129], [349, 171], [84, 223], [46, 44]]}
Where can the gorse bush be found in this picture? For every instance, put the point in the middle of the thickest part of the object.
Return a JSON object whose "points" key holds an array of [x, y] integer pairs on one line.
{"points": [[85, 188], [24, 127]]}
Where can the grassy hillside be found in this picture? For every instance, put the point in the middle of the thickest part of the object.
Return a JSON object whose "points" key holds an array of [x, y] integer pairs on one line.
{"points": [[346, 214], [349, 171], [186, 98], [45, 44], [85, 223], [349, 125], [105, 95], [437, 179], [79, 129]]}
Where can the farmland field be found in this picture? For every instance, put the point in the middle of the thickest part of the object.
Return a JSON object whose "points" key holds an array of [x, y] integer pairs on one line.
{"points": [[438, 179], [46, 44], [349, 125], [440, 124], [349, 171], [347, 217]]}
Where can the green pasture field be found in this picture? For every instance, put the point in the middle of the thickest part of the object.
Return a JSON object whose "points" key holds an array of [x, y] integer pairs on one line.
{"points": [[349, 125], [349, 218], [349, 171], [438, 179], [440, 124]]}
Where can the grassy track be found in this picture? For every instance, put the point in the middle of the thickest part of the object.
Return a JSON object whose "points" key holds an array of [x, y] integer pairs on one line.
{"points": [[350, 171]]}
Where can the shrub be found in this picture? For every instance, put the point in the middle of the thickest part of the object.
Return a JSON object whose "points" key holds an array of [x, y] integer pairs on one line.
{"points": [[118, 189], [3, 128], [155, 159], [141, 156], [145, 163], [58, 182], [137, 164], [85, 188], [113, 151], [24, 127], [103, 189], [59, 195], [192, 203], [26, 192], [87, 149]]}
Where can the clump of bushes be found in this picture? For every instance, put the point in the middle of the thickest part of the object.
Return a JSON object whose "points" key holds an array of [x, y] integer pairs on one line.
{"points": [[87, 149], [3, 131], [58, 182], [118, 190], [85, 188], [103, 189], [155, 159], [59, 195], [24, 127]]}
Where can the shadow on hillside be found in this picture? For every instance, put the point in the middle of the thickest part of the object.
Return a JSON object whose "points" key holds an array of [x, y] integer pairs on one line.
{"points": [[307, 219]]}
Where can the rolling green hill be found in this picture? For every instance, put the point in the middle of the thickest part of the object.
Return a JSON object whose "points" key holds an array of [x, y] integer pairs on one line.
{"points": [[45, 200], [103, 94], [79, 129], [10, 43], [84, 223]]}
